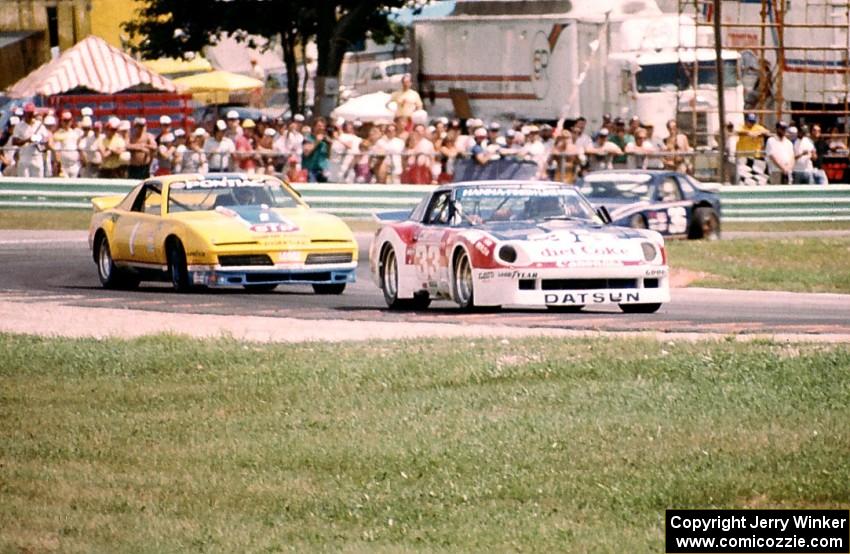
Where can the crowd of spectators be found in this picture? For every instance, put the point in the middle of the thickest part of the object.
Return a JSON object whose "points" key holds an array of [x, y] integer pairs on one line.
{"points": [[411, 150]]}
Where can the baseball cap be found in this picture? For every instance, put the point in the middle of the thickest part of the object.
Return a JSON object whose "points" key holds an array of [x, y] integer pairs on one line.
{"points": [[480, 132], [603, 132], [606, 117], [298, 117], [270, 132], [247, 124], [443, 120], [532, 129], [124, 125], [781, 125], [29, 107], [792, 130], [199, 132], [113, 122], [495, 126], [619, 121], [86, 111], [179, 133], [751, 118], [66, 115], [164, 120], [220, 125], [139, 121], [232, 114], [50, 120]]}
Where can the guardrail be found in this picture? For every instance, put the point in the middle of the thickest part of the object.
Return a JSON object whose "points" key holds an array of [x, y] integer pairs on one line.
{"points": [[740, 203]]}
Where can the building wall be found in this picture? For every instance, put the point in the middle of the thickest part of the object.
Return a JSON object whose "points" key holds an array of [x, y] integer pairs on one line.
{"points": [[107, 17]]}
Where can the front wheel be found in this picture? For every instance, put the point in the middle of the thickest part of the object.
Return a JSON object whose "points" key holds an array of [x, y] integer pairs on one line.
{"points": [[705, 224], [640, 308], [329, 288], [177, 267], [111, 277]]}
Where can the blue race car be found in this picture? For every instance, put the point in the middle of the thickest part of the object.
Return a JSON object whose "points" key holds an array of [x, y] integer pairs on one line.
{"points": [[672, 203]]}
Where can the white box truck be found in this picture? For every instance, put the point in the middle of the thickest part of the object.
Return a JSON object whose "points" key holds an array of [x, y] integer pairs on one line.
{"points": [[579, 58]]}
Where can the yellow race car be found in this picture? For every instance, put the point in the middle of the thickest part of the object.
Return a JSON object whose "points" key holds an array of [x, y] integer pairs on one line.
{"points": [[219, 230]]}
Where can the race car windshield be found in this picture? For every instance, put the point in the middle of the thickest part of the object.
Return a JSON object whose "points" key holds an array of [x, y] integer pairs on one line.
{"points": [[615, 188], [209, 194], [491, 204]]}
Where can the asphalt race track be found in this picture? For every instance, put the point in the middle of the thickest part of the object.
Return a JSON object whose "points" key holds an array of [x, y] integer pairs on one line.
{"points": [[57, 266]]}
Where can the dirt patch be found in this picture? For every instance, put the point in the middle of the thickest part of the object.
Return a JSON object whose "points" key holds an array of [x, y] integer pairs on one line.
{"points": [[680, 277]]}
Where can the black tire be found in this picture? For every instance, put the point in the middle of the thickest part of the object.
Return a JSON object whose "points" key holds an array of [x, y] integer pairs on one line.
{"points": [[704, 224], [389, 285], [177, 267], [637, 221], [329, 288], [565, 309], [265, 287], [111, 277], [463, 288], [640, 308]]}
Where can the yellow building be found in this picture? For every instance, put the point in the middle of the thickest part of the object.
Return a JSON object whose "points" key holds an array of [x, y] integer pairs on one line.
{"points": [[29, 29]]}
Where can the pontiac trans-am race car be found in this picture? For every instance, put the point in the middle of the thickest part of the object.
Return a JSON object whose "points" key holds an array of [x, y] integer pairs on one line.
{"points": [[514, 243], [672, 203], [219, 230]]}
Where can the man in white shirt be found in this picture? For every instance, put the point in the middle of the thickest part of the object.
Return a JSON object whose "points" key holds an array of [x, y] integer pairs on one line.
{"points": [[30, 137], [780, 156], [393, 147], [219, 149], [601, 153], [66, 142], [804, 154], [89, 151]]}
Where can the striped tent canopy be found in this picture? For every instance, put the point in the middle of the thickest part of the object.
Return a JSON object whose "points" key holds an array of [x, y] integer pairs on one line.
{"points": [[93, 64]]}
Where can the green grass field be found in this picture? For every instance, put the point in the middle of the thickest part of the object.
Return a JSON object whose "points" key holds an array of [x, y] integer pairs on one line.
{"points": [[166, 444], [789, 264]]}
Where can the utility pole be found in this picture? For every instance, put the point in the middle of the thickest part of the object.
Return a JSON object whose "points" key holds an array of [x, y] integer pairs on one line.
{"points": [[721, 101]]}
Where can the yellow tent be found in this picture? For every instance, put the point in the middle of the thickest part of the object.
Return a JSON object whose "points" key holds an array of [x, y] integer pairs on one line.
{"points": [[173, 67], [216, 87]]}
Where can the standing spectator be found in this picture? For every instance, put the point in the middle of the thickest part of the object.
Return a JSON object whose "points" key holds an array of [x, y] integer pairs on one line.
{"points": [[89, 149], [316, 153], [245, 156], [67, 143], [580, 138], [535, 150], [621, 139], [731, 159], [634, 125], [164, 127], [363, 164], [804, 156], [780, 156], [193, 159], [601, 154], [347, 145], [407, 102], [233, 128], [51, 163], [165, 155], [563, 161], [676, 145], [266, 151], [448, 157], [180, 147], [142, 148], [293, 139], [30, 138], [111, 147], [419, 166], [392, 147], [751, 137], [294, 174], [821, 149], [479, 151], [640, 151], [219, 149], [9, 155]]}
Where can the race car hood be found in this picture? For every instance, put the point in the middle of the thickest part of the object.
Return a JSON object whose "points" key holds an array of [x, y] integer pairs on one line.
{"points": [[559, 230], [256, 224]]}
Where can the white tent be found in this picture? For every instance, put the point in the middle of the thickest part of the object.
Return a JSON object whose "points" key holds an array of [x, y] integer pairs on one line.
{"points": [[367, 108]]}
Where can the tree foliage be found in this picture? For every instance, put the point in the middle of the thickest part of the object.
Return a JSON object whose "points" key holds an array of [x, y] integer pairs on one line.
{"points": [[175, 27]]}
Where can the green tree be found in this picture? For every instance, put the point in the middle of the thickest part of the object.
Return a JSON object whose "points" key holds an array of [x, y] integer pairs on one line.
{"points": [[174, 27]]}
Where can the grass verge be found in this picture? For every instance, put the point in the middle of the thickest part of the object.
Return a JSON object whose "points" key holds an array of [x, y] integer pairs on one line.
{"points": [[167, 444], [792, 264]]}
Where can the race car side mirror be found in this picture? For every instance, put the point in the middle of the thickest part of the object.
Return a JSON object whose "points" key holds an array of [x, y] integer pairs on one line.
{"points": [[603, 214]]}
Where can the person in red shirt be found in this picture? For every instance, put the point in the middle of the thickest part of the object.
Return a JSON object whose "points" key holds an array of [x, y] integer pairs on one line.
{"points": [[245, 156]]}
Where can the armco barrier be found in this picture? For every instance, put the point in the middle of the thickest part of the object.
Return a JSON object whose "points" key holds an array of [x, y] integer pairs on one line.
{"points": [[740, 203]]}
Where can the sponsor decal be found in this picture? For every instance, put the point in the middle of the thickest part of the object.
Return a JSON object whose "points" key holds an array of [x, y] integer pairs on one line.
{"points": [[274, 227], [591, 297], [517, 274], [224, 182], [292, 256], [486, 275], [483, 248], [584, 250], [660, 272], [522, 192]]}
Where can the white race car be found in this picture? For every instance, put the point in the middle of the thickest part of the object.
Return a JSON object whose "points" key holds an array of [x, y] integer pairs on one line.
{"points": [[515, 243]]}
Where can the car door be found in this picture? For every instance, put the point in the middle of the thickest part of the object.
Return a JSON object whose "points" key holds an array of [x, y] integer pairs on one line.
{"points": [[136, 231], [675, 207], [431, 265]]}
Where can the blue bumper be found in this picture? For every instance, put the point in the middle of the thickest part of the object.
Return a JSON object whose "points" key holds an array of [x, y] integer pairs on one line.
{"points": [[239, 277]]}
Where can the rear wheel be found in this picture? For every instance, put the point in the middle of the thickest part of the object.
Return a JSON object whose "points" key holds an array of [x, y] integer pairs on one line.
{"points": [[389, 286], [329, 288], [640, 308], [705, 224], [177, 266], [266, 287], [111, 277]]}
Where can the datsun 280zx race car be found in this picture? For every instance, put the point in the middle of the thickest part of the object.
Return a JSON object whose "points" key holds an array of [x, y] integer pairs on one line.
{"points": [[219, 230], [672, 203], [499, 243]]}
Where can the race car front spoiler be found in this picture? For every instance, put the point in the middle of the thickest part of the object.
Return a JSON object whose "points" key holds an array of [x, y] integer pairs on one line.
{"points": [[240, 276]]}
